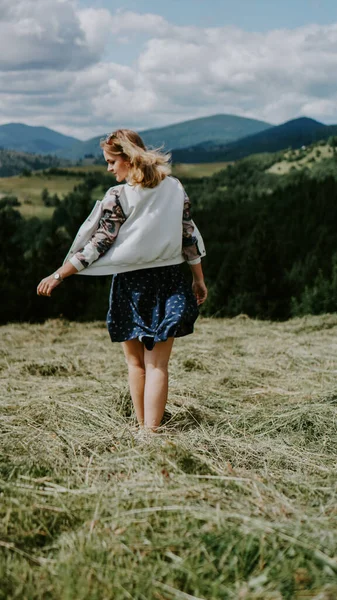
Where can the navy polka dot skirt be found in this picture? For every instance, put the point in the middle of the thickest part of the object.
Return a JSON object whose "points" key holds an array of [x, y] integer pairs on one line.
{"points": [[151, 305]]}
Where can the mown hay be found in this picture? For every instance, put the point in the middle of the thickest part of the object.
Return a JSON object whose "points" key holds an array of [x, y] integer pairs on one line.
{"points": [[234, 498]]}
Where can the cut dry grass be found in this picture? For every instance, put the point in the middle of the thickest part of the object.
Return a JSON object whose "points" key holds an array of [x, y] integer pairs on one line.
{"points": [[235, 498]]}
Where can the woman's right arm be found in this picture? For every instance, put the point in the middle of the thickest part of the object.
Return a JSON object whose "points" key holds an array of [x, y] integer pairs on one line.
{"points": [[105, 235]]}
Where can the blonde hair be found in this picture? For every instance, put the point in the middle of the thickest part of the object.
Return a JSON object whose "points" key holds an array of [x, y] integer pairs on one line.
{"points": [[148, 167]]}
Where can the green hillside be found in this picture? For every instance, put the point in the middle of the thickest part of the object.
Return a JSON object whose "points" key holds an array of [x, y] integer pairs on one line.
{"points": [[235, 498], [28, 189], [13, 162]]}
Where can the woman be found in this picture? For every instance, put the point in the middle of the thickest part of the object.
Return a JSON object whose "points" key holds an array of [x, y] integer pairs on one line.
{"points": [[140, 233]]}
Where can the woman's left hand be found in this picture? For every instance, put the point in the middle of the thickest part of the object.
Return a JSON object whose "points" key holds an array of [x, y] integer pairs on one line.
{"points": [[47, 285]]}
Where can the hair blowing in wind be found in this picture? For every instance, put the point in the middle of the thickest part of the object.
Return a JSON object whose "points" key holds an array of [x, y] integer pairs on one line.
{"points": [[148, 166]]}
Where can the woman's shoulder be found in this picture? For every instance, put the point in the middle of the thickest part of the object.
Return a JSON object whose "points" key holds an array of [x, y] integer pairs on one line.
{"points": [[112, 196], [177, 185], [113, 192], [174, 181], [116, 190]]}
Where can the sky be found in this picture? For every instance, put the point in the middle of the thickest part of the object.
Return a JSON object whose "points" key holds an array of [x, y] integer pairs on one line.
{"points": [[85, 68]]}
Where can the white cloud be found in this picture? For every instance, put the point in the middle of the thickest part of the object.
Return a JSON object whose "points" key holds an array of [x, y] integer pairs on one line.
{"points": [[130, 22], [97, 25], [60, 68], [42, 34]]}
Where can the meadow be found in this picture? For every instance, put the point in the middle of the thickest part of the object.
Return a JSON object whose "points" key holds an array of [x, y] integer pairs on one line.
{"points": [[234, 499], [301, 158], [28, 190]]}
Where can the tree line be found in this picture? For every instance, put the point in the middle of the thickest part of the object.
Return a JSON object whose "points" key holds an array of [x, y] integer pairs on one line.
{"points": [[271, 246]]}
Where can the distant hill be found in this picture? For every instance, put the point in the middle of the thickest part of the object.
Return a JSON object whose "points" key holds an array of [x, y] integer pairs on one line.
{"points": [[219, 129], [35, 140], [219, 138], [293, 134], [12, 162]]}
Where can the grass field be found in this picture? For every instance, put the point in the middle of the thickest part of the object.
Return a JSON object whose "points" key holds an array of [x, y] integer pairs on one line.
{"points": [[28, 189], [234, 499], [315, 153], [179, 170], [198, 170]]}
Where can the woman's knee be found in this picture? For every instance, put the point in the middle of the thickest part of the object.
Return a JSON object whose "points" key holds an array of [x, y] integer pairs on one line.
{"points": [[151, 368], [134, 354], [159, 357], [135, 363]]}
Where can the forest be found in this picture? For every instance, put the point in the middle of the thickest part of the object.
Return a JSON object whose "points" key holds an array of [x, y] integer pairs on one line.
{"points": [[271, 245]]}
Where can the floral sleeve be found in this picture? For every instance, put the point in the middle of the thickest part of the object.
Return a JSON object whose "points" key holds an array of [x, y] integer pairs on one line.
{"points": [[190, 248], [105, 235]]}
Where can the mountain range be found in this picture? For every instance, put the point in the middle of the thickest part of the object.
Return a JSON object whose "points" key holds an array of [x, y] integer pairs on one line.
{"points": [[219, 129], [208, 139], [292, 134], [35, 140]]}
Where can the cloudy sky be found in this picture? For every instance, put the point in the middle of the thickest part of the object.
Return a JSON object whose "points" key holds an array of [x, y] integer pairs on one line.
{"points": [[85, 68]]}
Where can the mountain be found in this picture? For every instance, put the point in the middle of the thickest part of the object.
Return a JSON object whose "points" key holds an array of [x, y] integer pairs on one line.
{"points": [[294, 134], [219, 129], [35, 140]]}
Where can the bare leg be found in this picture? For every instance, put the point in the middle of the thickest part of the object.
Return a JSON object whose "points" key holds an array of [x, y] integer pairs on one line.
{"points": [[134, 356], [156, 383]]}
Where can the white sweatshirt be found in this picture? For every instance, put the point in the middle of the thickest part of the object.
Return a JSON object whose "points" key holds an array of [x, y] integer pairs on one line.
{"points": [[136, 228]]}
